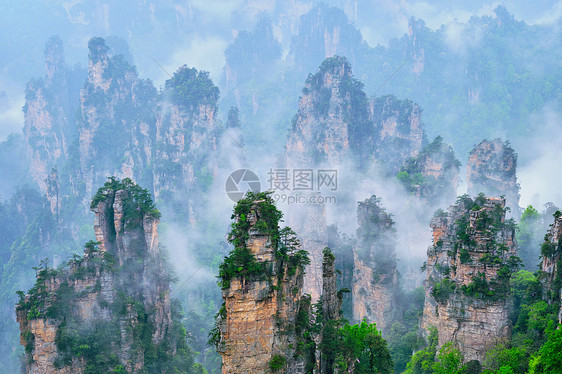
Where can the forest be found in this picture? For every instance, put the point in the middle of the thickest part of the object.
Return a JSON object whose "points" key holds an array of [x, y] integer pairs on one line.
{"points": [[395, 169]]}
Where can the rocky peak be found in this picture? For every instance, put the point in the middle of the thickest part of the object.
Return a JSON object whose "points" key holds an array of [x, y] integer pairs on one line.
{"points": [[48, 114], [416, 27], [186, 137], [54, 58], [433, 174], [468, 271], [98, 63], [110, 309], [551, 254], [116, 127], [375, 276], [125, 216], [321, 131], [398, 133], [262, 283], [336, 122], [491, 169]]}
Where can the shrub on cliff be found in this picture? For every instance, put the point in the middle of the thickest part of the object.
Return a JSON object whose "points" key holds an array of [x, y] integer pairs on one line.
{"points": [[240, 262]]}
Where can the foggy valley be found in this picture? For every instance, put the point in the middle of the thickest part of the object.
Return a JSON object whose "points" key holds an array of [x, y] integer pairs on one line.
{"points": [[281, 187]]}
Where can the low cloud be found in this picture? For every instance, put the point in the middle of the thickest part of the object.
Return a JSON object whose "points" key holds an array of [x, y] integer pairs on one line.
{"points": [[202, 53], [540, 174], [11, 114]]}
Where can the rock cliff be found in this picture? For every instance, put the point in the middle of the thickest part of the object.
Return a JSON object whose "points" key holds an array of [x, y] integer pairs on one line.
{"points": [[433, 174], [49, 114], [415, 46], [398, 132], [551, 263], [336, 124], [186, 138], [262, 281], [468, 270], [335, 120], [375, 278], [167, 142], [491, 169], [116, 126], [109, 310]]}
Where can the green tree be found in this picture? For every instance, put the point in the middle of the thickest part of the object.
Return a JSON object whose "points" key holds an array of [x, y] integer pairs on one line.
{"points": [[500, 358], [549, 358], [365, 348], [423, 360], [449, 360]]}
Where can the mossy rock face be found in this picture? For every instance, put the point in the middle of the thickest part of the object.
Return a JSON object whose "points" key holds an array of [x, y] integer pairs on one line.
{"points": [[257, 214], [110, 309]]}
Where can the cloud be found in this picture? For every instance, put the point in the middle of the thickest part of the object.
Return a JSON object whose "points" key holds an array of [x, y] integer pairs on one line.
{"points": [[540, 173], [215, 11], [459, 36], [11, 114], [202, 53]]}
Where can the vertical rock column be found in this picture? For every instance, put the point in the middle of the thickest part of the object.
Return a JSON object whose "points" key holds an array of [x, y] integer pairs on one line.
{"points": [[118, 285], [491, 169], [551, 254], [257, 326], [468, 269], [375, 284]]}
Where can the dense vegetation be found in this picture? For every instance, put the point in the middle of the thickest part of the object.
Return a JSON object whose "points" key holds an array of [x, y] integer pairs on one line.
{"points": [[465, 75], [241, 262], [191, 88], [430, 187], [534, 346], [536, 339], [96, 341]]}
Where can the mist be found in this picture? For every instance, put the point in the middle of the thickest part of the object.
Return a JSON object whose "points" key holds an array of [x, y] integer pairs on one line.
{"points": [[539, 160], [478, 70]]}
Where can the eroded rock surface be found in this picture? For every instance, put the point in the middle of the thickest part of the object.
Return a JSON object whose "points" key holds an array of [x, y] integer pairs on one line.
{"points": [[491, 169], [112, 306], [375, 285], [551, 254], [468, 270]]}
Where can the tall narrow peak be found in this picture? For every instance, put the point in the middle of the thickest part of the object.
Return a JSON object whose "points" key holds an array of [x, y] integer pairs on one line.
{"points": [[322, 134], [325, 32], [336, 125], [433, 174], [491, 169], [262, 283], [415, 48], [54, 58], [186, 139], [398, 132], [375, 285], [469, 267], [332, 111], [109, 310], [49, 111], [98, 64], [117, 121], [551, 263], [335, 121]]}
